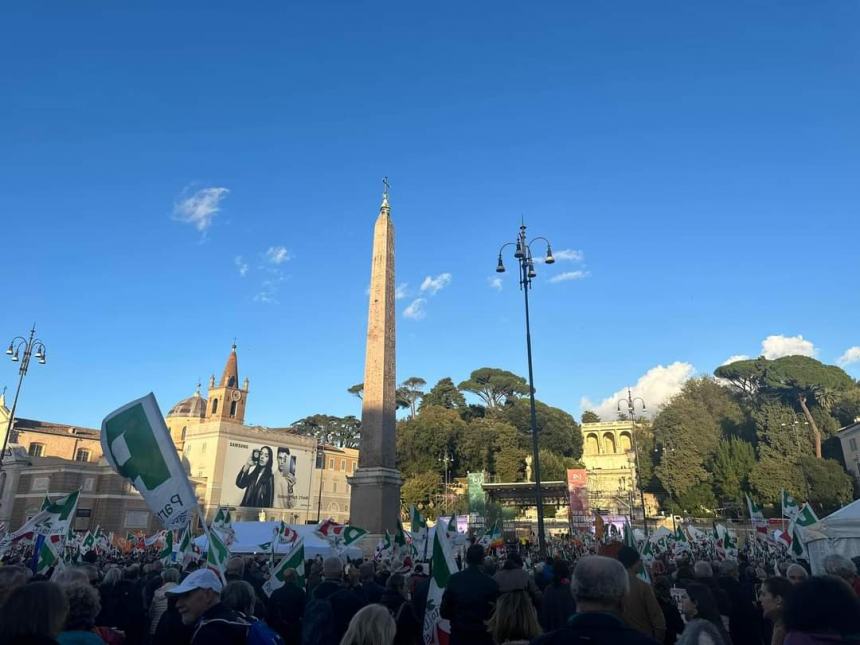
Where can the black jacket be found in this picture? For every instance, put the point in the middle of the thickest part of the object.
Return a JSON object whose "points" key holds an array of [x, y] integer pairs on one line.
{"points": [[595, 628], [557, 607], [286, 607], [220, 625], [258, 493], [408, 629], [468, 603], [345, 602]]}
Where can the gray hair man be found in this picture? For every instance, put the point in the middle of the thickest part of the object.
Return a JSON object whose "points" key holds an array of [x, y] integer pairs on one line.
{"points": [[599, 585]]}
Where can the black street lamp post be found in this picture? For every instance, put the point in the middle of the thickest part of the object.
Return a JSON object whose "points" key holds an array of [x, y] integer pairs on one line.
{"points": [[523, 254], [20, 350], [630, 402]]}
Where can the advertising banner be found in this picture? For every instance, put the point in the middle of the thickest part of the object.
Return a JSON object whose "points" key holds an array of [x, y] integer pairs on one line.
{"points": [[267, 475], [577, 489]]}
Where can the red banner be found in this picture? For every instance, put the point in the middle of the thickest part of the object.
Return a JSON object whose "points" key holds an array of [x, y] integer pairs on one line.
{"points": [[577, 482]]}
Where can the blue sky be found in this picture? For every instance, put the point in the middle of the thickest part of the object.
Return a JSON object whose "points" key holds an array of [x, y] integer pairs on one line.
{"points": [[700, 159]]}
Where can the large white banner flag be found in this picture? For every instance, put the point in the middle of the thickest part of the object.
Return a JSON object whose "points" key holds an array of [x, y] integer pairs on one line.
{"points": [[443, 567], [137, 444]]}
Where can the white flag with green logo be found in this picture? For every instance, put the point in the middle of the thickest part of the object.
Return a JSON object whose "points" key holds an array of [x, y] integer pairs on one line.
{"points": [[217, 554], [137, 444], [47, 556], [166, 553], [88, 543], [790, 507], [55, 518], [295, 559], [184, 545], [443, 567]]}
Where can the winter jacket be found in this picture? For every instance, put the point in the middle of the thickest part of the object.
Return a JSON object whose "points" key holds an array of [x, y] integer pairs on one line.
{"points": [[159, 605]]}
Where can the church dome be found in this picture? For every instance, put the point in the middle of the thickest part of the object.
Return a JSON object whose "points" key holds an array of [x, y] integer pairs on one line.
{"points": [[193, 406]]}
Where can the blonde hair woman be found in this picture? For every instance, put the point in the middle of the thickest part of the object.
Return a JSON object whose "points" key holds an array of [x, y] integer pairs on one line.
{"points": [[515, 620], [373, 625]]}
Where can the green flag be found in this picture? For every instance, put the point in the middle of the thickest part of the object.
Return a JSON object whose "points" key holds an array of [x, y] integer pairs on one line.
{"points": [[217, 554], [295, 559], [806, 516], [790, 507], [442, 567], [47, 556], [418, 523], [452, 524], [137, 444], [89, 542], [166, 554], [629, 540], [352, 534], [184, 544], [54, 518], [400, 536]]}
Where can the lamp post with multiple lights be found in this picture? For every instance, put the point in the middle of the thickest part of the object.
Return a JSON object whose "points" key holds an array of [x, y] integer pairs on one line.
{"points": [[21, 350], [523, 255], [630, 402]]}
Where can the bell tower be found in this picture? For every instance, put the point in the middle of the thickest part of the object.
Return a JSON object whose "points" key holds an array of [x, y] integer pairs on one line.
{"points": [[227, 400]]}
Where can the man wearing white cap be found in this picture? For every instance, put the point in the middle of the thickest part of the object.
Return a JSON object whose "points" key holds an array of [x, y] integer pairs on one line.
{"points": [[198, 600]]}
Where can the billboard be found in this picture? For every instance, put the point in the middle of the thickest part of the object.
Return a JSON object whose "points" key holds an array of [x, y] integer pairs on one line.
{"points": [[267, 475], [577, 490]]}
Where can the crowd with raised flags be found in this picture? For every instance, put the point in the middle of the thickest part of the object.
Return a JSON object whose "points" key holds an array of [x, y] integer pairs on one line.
{"points": [[431, 584]]}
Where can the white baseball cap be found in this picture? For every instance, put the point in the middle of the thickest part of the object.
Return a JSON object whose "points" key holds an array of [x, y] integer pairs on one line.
{"points": [[200, 579]]}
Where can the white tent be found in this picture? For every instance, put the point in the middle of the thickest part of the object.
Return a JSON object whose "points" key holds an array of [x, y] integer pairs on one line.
{"points": [[839, 533], [251, 535]]}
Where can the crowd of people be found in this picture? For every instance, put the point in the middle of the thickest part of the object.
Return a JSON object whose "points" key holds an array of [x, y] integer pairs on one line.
{"points": [[500, 598]]}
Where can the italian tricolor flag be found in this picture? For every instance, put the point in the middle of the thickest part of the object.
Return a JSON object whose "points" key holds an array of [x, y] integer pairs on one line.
{"points": [[443, 566]]}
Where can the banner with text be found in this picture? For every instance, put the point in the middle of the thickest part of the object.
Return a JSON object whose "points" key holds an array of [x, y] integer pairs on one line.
{"points": [[274, 474], [577, 489]]}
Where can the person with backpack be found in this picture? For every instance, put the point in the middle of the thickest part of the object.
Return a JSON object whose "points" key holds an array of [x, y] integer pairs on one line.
{"points": [[241, 597], [332, 605], [396, 600], [198, 599]]}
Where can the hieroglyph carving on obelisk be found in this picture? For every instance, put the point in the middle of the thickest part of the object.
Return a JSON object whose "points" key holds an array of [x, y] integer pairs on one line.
{"points": [[375, 487]]}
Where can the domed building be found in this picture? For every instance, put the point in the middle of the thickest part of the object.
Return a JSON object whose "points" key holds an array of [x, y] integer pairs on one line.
{"points": [[190, 411]]}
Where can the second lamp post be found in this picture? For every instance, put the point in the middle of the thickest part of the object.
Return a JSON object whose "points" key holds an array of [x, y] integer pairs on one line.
{"points": [[523, 255]]}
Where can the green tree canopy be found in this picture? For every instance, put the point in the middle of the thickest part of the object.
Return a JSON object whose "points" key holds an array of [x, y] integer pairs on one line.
{"points": [[411, 391], [830, 487], [342, 432], [557, 430], [444, 394], [421, 488], [590, 417], [494, 386], [424, 440], [733, 462]]}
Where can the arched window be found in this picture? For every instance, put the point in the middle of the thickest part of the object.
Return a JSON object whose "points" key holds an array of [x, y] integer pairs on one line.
{"points": [[609, 442], [232, 408], [214, 406], [625, 442], [334, 508], [592, 445], [182, 434]]}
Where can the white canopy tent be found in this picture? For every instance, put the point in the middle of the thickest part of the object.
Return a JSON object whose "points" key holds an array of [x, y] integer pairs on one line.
{"points": [[251, 535], [838, 533]]}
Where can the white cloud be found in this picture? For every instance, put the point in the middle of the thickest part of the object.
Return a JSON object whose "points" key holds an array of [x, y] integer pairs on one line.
{"points": [[778, 345], [415, 310], [564, 255], [735, 357], [399, 292], [570, 275], [200, 208], [434, 285], [656, 387], [241, 265], [277, 255], [269, 290], [495, 282], [851, 355]]}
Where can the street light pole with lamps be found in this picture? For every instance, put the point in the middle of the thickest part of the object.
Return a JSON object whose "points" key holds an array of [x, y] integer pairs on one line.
{"points": [[16, 345], [631, 409], [445, 460], [523, 254]]}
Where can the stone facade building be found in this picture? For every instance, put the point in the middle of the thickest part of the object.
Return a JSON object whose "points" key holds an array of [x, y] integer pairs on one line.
{"points": [[260, 473]]}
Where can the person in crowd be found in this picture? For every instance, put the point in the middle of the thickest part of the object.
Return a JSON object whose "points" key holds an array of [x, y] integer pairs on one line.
{"points": [[674, 622], [640, 608], [396, 599], [772, 597], [700, 603], [33, 614], [71, 576], [198, 600], [557, 603], [152, 580], [796, 574], [841, 567], [80, 625], [468, 600], [12, 576], [239, 596], [599, 586], [512, 577], [700, 632], [235, 569], [514, 621], [703, 573], [111, 613], [285, 608], [344, 602], [372, 625], [822, 609], [745, 622], [418, 576], [367, 580], [158, 605]]}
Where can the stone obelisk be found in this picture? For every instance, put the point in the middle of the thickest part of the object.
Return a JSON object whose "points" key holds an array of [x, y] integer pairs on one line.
{"points": [[375, 486]]}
